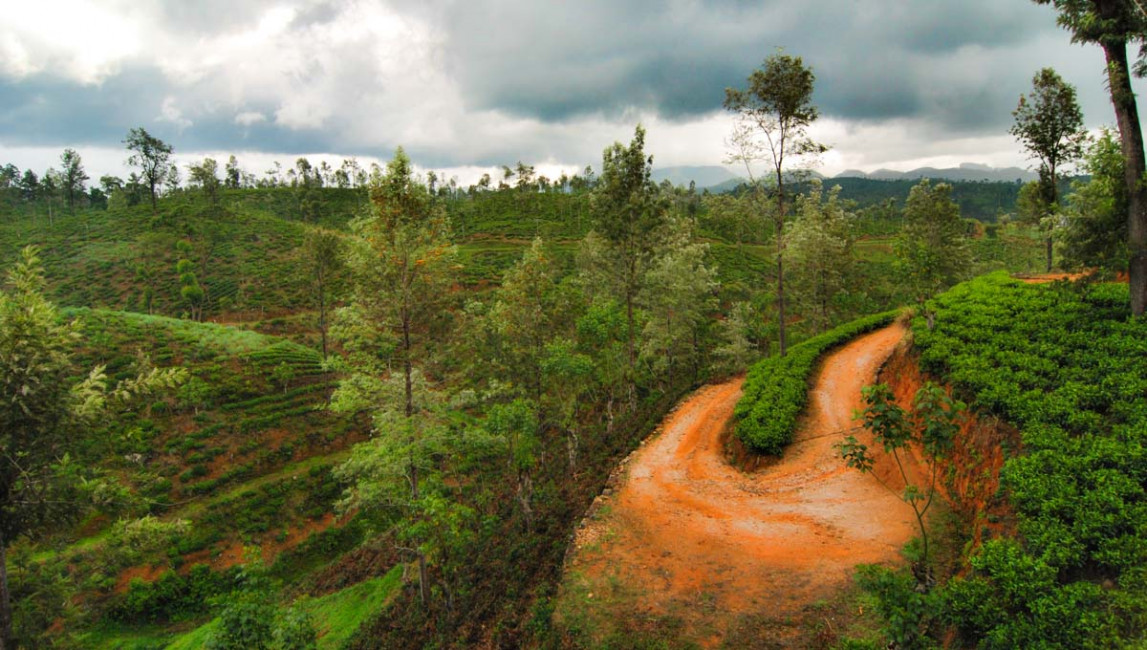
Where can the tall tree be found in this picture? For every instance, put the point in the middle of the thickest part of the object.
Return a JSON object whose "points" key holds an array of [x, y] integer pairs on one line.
{"points": [[152, 156], [679, 294], [1095, 235], [822, 246], [9, 176], [73, 177], [401, 266], [932, 251], [205, 176], [773, 115], [1113, 24], [523, 316], [1049, 124], [49, 188], [30, 186], [45, 414], [322, 253], [173, 180], [629, 215], [234, 174]]}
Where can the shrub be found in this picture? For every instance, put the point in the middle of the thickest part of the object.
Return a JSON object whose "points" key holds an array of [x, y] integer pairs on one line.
{"points": [[776, 389]]}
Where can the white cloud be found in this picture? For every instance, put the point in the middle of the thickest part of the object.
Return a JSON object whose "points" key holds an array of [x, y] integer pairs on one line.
{"points": [[250, 118], [366, 76], [78, 40], [169, 112]]}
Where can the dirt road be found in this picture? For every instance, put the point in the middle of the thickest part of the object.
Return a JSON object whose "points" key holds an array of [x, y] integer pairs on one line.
{"points": [[690, 537]]}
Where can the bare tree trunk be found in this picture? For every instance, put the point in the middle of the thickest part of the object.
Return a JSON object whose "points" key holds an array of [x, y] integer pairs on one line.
{"points": [[780, 222], [6, 641], [1048, 242], [631, 352], [1131, 140], [323, 314], [408, 371], [571, 447], [525, 497]]}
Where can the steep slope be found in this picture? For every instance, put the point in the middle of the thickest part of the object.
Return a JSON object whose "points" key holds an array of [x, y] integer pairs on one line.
{"points": [[690, 539]]}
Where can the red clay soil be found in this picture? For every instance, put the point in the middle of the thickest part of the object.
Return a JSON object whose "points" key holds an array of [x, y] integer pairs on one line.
{"points": [[1045, 278], [972, 469], [687, 529], [228, 554]]}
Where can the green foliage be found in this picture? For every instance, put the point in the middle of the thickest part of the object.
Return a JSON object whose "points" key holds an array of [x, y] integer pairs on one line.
{"points": [[247, 621], [776, 389], [1066, 365], [1095, 235], [42, 594], [630, 217], [679, 298], [931, 426], [296, 631], [821, 244], [172, 597], [909, 614], [46, 412], [1014, 600], [932, 251]]}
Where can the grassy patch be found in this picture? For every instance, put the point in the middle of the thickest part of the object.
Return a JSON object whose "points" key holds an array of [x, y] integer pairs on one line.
{"points": [[337, 616]]}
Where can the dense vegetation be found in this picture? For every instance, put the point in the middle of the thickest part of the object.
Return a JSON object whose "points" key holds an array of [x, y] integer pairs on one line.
{"points": [[1065, 364], [776, 388], [535, 411], [406, 373]]}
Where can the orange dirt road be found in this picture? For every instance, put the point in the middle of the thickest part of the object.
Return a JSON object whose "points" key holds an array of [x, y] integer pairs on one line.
{"points": [[688, 535]]}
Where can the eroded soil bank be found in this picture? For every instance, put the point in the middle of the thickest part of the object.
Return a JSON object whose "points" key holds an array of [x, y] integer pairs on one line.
{"points": [[688, 538]]}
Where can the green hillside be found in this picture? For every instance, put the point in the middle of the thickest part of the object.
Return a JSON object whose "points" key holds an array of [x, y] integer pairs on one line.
{"points": [[1066, 365], [242, 474]]}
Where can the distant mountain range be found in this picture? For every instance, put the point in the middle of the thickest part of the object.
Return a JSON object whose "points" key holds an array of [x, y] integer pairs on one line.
{"points": [[705, 176], [965, 172], [719, 179]]}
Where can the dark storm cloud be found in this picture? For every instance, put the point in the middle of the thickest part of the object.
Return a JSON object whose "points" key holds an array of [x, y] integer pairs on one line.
{"points": [[46, 110], [483, 81], [875, 60]]}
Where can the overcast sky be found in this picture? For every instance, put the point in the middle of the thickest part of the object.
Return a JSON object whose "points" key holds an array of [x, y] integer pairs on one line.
{"points": [[468, 84]]}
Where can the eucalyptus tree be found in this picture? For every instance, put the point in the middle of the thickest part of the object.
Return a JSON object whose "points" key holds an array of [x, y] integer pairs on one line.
{"points": [[401, 268], [1113, 25], [153, 158], [1049, 124], [525, 316], [322, 254], [679, 295], [822, 245], [932, 250], [233, 174], [205, 176], [72, 177], [629, 216], [773, 116]]}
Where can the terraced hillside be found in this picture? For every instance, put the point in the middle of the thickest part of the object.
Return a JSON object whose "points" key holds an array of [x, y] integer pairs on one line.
{"points": [[243, 453]]}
